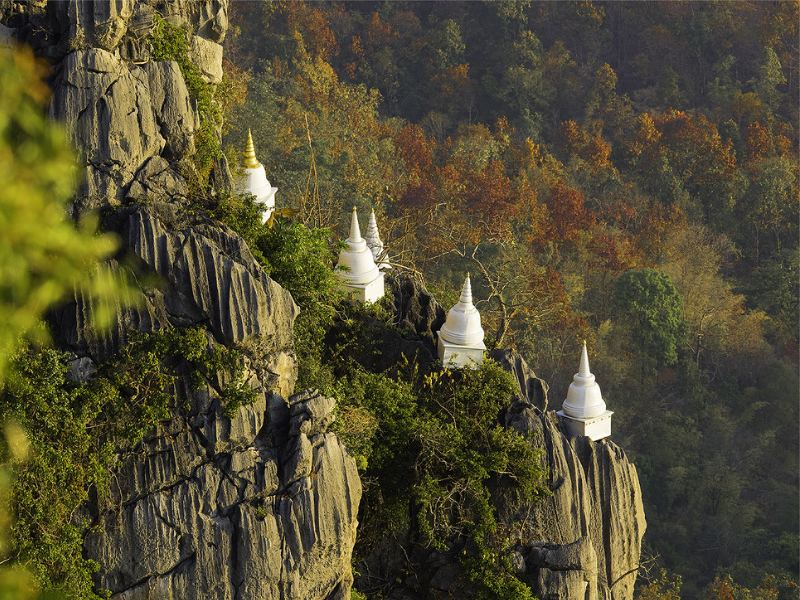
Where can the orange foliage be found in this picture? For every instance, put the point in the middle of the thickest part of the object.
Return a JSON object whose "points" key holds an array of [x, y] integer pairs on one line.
{"points": [[415, 148], [421, 195], [489, 195], [647, 135], [378, 31], [614, 252], [721, 589], [568, 215], [453, 84], [312, 22], [589, 147], [757, 140]]}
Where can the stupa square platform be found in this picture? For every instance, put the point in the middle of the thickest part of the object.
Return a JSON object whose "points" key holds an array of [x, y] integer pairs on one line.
{"points": [[455, 356], [595, 428], [366, 292]]}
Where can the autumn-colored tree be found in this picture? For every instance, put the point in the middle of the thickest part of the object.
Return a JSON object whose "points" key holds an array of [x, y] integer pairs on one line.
{"points": [[663, 587], [568, 215], [757, 141]]}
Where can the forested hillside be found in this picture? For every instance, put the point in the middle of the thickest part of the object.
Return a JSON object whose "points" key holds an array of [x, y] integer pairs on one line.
{"points": [[621, 172]]}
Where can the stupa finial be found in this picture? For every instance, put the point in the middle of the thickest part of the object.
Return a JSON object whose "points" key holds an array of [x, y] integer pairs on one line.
{"points": [[250, 160], [355, 229], [583, 369], [373, 236], [466, 291]]}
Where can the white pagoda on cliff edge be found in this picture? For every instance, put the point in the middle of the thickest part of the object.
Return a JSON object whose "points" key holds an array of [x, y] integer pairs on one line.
{"points": [[253, 180], [375, 244], [584, 411], [356, 267], [460, 340]]}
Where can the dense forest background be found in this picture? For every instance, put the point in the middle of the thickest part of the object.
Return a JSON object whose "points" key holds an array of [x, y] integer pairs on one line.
{"points": [[621, 172]]}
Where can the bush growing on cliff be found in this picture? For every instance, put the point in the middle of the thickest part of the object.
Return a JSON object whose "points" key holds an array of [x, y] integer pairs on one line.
{"points": [[438, 464]]}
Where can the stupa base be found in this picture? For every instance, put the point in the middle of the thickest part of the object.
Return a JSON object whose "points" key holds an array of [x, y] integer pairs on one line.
{"points": [[455, 357], [595, 428], [368, 292]]}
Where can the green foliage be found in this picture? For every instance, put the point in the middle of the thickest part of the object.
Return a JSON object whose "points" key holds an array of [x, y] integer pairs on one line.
{"points": [[386, 409], [301, 260], [171, 42], [435, 444], [43, 256], [649, 300], [462, 447]]}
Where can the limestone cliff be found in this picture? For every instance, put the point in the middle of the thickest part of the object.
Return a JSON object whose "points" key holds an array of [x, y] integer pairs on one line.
{"points": [[263, 503], [585, 538], [259, 504]]}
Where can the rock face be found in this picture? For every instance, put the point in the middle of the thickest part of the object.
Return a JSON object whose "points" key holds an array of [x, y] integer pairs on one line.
{"points": [[121, 116], [260, 504], [585, 538], [122, 110]]}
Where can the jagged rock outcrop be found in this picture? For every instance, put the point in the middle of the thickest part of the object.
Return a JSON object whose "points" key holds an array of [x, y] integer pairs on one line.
{"points": [[533, 389], [261, 506], [594, 510]]}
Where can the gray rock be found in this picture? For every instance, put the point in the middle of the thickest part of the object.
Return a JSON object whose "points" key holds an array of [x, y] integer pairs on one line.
{"points": [[120, 117], [171, 106], [212, 276], [594, 513], [107, 111], [563, 571], [533, 389], [187, 521], [208, 56], [81, 369], [157, 179], [415, 308]]}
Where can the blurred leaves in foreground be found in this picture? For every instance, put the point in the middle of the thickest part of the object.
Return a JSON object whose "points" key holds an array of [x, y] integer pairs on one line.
{"points": [[44, 255]]}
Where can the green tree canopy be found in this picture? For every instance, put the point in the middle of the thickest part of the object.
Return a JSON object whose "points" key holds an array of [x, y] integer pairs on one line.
{"points": [[648, 300]]}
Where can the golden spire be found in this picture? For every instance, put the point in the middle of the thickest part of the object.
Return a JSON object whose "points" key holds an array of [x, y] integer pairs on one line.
{"points": [[250, 160]]}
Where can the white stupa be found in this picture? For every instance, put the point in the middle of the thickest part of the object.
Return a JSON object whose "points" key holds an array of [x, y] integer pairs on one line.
{"points": [[356, 267], [460, 340], [375, 244], [253, 180], [584, 411]]}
